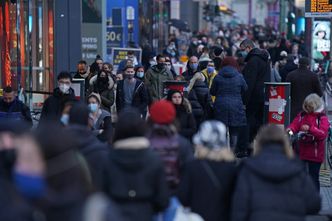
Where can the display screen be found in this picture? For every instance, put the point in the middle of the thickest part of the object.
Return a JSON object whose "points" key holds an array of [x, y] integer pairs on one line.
{"points": [[318, 8]]}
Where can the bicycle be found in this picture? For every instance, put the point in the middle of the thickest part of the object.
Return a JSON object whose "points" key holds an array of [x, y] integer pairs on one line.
{"points": [[329, 147]]}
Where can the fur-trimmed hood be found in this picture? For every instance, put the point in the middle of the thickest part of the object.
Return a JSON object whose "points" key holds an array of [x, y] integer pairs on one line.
{"points": [[93, 81], [133, 143], [222, 154]]}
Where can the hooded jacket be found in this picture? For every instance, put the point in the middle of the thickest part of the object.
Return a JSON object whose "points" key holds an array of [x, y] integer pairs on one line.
{"points": [[312, 149], [154, 81], [272, 187], [256, 72], [208, 196], [53, 105], [135, 179], [228, 106]]}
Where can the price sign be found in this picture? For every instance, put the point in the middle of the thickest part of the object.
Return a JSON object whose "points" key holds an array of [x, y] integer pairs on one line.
{"points": [[318, 8]]}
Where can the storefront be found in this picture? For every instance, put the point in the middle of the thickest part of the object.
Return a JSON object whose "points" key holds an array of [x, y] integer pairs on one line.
{"points": [[27, 44]]}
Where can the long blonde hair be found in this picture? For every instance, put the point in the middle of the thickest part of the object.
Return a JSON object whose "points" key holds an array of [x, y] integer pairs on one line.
{"points": [[273, 134]]}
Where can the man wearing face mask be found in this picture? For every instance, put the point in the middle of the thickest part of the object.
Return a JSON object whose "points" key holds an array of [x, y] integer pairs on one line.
{"points": [[53, 105], [155, 78], [12, 108], [192, 68], [131, 92]]}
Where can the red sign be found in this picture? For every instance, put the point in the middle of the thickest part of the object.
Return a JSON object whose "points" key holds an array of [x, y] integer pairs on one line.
{"points": [[277, 104]]}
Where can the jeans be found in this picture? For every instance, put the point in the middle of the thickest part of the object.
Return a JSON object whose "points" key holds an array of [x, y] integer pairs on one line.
{"points": [[313, 170]]}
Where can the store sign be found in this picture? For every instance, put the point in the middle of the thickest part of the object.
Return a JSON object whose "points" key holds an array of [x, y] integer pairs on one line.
{"points": [[119, 54], [114, 37], [318, 8]]}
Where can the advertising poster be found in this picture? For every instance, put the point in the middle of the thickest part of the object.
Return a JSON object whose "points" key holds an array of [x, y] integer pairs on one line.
{"points": [[91, 30], [119, 54], [321, 36]]}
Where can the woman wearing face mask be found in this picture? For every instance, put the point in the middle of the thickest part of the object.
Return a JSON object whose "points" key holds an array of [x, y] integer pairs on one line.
{"points": [[104, 86], [139, 73], [184, 116], [97, 115]]}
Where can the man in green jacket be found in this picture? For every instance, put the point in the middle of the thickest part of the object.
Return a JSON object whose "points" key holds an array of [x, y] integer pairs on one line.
{"points": [[155, 78]]}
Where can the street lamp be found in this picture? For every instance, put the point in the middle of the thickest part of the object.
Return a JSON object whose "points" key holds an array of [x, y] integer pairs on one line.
{"points": [[130, 19]]}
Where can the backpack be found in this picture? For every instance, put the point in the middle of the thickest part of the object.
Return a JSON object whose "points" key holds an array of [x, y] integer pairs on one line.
{"points": [[168, 148]]}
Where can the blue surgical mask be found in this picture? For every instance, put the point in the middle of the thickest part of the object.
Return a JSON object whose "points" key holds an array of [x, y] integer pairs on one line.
{"points": [[65, 119], [244, 53], [194, 66], [210, 70], [31, 187], [140, 74], [93, 107]]}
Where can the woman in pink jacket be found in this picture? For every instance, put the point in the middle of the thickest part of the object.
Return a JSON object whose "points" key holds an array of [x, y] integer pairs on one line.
{"points": [[314, 123]]}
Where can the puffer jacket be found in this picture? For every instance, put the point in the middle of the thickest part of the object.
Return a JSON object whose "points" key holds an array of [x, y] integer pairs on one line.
{"points": [[228, 107], [201, 102], [154, 81], [312, 146]]}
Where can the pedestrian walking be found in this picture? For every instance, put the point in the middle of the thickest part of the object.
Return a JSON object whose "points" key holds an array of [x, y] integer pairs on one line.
{"points": [[97, 115], [131, 93], [228, 107], [314, 123], [184, 116], [53, 105], [135, 178], [155, 78], [303, 82], [173, 149], [206, 186], [104, 86], [256, 71], [12, 108], [272, 185]]}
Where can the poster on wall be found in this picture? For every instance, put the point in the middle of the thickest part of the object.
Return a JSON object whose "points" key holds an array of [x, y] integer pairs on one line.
{"points": [[91, 29], [321, 42]]}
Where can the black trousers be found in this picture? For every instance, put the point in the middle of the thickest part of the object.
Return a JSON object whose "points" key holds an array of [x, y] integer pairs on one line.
{"points": [[313, 169]]}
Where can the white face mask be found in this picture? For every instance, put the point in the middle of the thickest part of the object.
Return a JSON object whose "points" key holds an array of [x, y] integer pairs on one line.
{"points": [[64, 88]]}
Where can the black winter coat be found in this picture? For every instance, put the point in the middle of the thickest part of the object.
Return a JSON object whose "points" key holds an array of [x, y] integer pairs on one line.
{"points": [[303, 82], [272, 187], [199, 192], [95, 152], [53, 105], [256, 72], [186, 121], [17, 107], [201, 102], [228, 86], [286, 69], [140, 97], [135, 180]]}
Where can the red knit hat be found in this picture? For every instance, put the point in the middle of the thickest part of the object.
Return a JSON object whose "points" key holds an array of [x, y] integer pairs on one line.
{"points": [[162, 112]]}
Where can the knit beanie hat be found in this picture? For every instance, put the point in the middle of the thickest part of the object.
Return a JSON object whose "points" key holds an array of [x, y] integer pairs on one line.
{"points": [[211, 134], [162, 112], [95, 95]]}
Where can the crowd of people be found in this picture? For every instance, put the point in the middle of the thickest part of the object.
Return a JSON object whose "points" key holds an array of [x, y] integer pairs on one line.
{"points": [[132, 150]]}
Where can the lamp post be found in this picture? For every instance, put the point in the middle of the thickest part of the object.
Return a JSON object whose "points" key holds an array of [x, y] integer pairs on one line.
{"points": [[130, 18]]}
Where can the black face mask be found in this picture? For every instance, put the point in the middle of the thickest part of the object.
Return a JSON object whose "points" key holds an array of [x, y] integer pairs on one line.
{"points": [[160, 66], [103, 79], [7, 160]]}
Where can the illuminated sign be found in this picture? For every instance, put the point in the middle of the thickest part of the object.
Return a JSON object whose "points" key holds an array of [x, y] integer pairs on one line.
{"points": [[318, 8]]}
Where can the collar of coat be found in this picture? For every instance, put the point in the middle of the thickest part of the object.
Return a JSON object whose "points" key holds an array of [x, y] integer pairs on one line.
{"points": [[133, 143]]}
